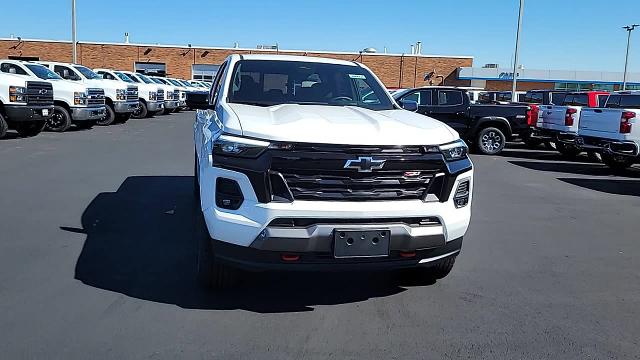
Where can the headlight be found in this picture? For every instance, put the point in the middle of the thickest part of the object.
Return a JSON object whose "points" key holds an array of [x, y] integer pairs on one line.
{"points": [[121, 94], [152, 95], [80, 98], [17, 94], [454, 150], [229, 145]]}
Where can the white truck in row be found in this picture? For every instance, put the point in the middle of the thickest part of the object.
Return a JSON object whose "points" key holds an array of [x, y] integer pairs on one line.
{"points": [[25, 103], [74, 103], [613, 130]]}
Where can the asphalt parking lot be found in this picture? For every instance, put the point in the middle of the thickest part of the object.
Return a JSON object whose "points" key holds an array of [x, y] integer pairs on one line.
{"points": [[96, 261]]}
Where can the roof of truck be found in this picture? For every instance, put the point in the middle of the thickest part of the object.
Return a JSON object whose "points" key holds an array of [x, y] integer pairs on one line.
{"points": [[296, 58]]}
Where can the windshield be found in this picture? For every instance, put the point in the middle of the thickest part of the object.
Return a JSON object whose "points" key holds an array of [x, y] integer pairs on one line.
{"points": [[42, 72], [133, 78], [272, 82], [146, 79], [174, 82], [186, 83], [88, 73], [123, 77], [157, 81]]}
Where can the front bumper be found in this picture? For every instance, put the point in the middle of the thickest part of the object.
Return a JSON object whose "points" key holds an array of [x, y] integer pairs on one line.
{"points": [[170, 104], [125, 106], [88, 113], [20, 113], [252, 259], [155, 106]]}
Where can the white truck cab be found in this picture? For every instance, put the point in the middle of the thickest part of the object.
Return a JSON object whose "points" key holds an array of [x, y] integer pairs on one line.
{"points": [[25, 102], [299, 167], [182, 91], [171, 94], [126, 101], [151, 95], [74, 103]]}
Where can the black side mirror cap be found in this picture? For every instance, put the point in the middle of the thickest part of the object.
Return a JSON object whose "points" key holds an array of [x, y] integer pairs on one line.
{"points": [[199, 101], [409, 105]]}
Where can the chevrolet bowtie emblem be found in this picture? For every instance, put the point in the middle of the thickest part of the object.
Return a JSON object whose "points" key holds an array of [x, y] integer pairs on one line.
{"points": [[364, 164]]}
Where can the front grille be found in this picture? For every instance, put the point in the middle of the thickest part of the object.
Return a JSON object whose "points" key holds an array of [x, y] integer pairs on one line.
{"points": [[39, 93], [315, 173], [169, 95], [95, 97], [176, 95], [160, 95], [132, 93], [307, 222]]}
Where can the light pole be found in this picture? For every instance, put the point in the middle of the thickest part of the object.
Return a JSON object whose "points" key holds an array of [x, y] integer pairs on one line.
{"points": [[73, 32], [629, 29], [515, 60]]}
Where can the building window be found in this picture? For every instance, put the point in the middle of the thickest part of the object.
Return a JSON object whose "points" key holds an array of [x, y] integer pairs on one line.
{"points": [[568, 86], [632, 87], [204, 72], [603, 87], [149, 68]]}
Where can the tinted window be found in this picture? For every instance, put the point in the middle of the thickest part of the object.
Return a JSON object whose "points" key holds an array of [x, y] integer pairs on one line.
{"points": [[504, 96], [133, 78], [414, 96], [42, 72], [60, 70], [106, 75], [123, 77], [268, 82], [556, 98], [533, 97], [576, 100], [449, 97], [12, 69], [87, 72], [485, 97], [145, 79], [613, 101], [425, 97], [630, 101], [602, 99]]}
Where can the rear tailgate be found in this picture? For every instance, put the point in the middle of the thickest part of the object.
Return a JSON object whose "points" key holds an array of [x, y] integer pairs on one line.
{"points": [[600, 122], [552, 116]]}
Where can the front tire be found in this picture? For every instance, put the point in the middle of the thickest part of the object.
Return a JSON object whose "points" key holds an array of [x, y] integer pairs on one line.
{"points": [[212, 274], [123, 118], [490, 141], [86, 125], [3, 127], [428, 274], [141, 112], [29, 129], [60, 121], [110, 117]]}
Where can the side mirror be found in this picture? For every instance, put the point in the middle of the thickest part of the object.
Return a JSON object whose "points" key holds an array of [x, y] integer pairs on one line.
{"points": [[409, 105], [199, 101]]}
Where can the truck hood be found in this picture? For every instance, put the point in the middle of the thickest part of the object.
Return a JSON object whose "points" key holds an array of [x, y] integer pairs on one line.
{"points": [[339, 125], [103, 84], [67, 85]]}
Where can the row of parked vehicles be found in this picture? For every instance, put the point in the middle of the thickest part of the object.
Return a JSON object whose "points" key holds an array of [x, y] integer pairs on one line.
{"points": [[596, 122], [51, 95]]}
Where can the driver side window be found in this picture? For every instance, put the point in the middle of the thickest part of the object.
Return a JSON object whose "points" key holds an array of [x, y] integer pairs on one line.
{"points": [[12, 69], [217, 85]]}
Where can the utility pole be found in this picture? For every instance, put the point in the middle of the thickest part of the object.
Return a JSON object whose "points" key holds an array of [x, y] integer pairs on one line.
{"points": [[515, 58], [73, 32], [629, 29]]}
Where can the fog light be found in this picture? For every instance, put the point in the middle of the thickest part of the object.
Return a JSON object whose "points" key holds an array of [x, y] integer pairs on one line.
{"points": [[461, 197], [228, 194]]}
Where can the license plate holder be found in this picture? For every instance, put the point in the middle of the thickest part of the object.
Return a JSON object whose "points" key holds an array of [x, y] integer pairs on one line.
{"points": [[350, 243]]}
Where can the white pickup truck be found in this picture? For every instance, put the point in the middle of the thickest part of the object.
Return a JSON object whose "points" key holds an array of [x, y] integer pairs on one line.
{"points": [[126, 101], [559, 123], [614, 130], [171, 95], [151, 95], [309, 164], [179, 93], [25, 103], [74, 103]]}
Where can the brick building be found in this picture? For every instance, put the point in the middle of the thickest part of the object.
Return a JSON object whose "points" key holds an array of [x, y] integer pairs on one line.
{"points": [[395, 70]]}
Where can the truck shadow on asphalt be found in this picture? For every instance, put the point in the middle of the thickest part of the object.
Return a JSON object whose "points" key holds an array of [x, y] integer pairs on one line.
{"points": [[577, 168], [139, 242], [611, 186]]}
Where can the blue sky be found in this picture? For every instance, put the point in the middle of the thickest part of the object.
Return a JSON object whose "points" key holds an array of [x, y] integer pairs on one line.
{"points": [[557, 34]]}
